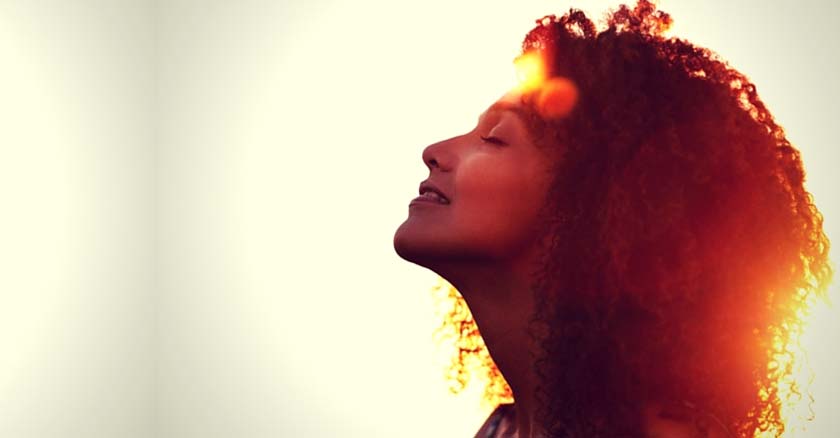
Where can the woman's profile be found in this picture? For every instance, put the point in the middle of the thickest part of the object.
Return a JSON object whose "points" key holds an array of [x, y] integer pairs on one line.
{"points": [[631, 232]]}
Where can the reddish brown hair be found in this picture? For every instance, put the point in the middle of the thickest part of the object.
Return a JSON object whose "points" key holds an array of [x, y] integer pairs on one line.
{"points": [[685, 244]]}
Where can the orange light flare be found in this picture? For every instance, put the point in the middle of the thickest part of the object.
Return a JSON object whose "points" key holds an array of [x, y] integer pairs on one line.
{"points": [[556, 97], [530, 71]]}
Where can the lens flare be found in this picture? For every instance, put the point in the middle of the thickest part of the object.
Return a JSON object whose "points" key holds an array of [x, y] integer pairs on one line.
{"points": [[557, 98], [530, 71]]}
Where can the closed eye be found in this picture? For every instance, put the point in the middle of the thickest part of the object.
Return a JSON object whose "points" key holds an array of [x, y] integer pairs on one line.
{"points": [[493, 140]]}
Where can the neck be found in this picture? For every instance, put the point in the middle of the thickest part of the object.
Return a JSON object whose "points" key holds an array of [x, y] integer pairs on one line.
{"points": [[500, 298]]}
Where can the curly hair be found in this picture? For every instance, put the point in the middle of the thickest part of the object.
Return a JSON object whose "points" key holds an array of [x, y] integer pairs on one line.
{"points": [[684, 246]]}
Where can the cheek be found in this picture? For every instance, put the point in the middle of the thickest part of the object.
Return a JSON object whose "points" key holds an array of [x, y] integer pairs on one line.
{"points": [[496, 198]]}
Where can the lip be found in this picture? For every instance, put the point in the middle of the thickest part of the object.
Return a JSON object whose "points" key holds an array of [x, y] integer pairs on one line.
{"points": [[421, 200], [427, 185]]}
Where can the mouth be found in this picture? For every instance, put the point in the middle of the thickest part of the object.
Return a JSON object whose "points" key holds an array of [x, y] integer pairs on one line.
{"points": [[431, 196], [430, 193]]}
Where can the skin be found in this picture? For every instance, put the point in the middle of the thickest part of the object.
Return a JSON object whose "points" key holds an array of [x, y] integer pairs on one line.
{"points": [[486, 242], [495, 191]]}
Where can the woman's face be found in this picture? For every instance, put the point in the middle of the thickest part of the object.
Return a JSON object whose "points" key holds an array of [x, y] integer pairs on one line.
{"points": [[495, 180]]}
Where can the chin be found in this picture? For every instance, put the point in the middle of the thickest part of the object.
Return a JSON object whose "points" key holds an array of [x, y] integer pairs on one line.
{"points": [[410, 247], [421, 248], [433, 252]]}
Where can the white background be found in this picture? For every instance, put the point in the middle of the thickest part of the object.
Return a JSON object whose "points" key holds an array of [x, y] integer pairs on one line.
{"points": [[198, 200]]}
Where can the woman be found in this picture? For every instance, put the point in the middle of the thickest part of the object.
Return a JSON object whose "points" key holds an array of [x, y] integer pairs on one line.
{"points": [[632, 236]]}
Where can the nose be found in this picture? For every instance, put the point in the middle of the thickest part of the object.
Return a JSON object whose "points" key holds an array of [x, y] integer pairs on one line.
{"points": [[436, 156]]}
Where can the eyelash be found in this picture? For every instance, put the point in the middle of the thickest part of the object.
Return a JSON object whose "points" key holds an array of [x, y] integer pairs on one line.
{"points": [[492, 140]]}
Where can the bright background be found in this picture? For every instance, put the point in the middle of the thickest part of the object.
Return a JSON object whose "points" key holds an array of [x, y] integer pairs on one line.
{"points": [[198, 201]]}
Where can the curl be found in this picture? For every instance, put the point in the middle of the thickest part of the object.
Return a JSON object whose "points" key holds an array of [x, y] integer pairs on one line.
{"points": [[685, 248]]}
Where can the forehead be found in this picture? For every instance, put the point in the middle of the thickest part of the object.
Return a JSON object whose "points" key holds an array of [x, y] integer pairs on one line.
{"points": [[511, 101], [521, 105]]}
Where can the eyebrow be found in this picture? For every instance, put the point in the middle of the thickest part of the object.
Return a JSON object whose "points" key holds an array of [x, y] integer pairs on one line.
{"points": [[501, 106]]}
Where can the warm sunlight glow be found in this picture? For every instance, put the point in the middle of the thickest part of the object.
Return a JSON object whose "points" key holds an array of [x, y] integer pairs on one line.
{"points": [[468, 362], [793, 389], [557, 98], [530, 71], [808, 374]]}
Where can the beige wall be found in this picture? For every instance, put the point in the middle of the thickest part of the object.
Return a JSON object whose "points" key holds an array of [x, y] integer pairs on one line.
{"points": [[76, 219]]}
